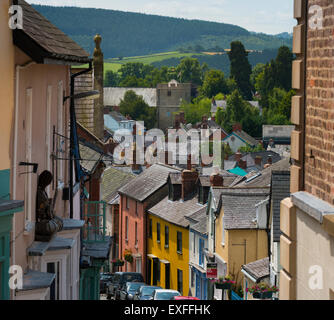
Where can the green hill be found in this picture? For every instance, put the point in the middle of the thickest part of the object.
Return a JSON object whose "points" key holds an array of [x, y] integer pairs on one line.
{"points": [[134, 34]]}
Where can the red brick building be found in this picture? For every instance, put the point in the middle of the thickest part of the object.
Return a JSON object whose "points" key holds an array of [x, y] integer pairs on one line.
{"points": [[136, 197]]}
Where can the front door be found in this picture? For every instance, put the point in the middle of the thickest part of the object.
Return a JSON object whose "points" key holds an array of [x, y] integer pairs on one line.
{"points": [[155, 272]]}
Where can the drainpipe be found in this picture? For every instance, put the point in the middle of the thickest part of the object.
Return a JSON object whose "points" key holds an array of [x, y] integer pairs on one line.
{"points": [[16, 124], [72, 128]]}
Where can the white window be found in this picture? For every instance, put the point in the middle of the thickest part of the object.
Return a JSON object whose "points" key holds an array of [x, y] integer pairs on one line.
{"points": [[28, 157], [60, 140], [126, 228], [223, 233], [138, 265]]}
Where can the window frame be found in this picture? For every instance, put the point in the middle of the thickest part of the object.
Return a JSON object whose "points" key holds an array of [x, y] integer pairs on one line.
{"points": [[180, 281], [166, 236], [158, 232], [179, 242]]}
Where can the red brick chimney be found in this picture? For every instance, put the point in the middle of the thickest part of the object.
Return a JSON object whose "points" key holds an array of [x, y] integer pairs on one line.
{"points": [[237, 127], [189, 179], [258, 161], [238, 156], [242, 164], [216, 180]]}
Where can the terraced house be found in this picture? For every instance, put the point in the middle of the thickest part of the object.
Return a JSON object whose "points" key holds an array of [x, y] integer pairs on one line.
{"points": [[136, 198], [168, 236], [39, 57]]}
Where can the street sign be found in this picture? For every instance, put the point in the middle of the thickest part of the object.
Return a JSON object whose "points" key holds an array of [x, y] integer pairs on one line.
{"points": [[211, 271]]}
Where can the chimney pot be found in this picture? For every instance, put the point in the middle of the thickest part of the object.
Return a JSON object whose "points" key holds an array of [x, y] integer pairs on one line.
{"points": [[238, 156], [216, 180], [258, 161]]}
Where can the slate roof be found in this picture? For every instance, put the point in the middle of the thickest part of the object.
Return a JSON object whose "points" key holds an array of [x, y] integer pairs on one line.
{"points": [[200, 220], [33, 280], [112, 180], [246, 137], [114, 95], [258, 269], [205, 181], [176, 211], [280, 189], [263, 178], [116, 116], [90, 157], [40, 34], [239, 208], [148, 182], [251, 156]]}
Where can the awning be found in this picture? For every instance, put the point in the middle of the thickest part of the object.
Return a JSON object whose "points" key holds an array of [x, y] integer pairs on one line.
{"points": [[200, 269]]}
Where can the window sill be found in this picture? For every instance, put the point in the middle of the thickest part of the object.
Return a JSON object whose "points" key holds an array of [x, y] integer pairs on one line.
{"points": [[166, 246], [158, 241], [223, 244], [180, 253]]}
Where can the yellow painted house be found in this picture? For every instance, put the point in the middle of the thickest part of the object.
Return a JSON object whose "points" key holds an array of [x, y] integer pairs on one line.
{"points": [[168, 237], [240, 235]]}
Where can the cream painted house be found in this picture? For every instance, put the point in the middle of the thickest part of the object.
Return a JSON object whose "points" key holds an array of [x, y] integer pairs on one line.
{"points": [[41, 59]]}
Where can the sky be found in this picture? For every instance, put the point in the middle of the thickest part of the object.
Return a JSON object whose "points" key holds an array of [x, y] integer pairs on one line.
{"points": [[267, 16]]}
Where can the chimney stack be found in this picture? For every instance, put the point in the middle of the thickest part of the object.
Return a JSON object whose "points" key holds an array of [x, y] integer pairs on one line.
{"points": [[270, 160], [258, 161], [238, 156], [135, 166], [242, 164], [189, 179], [216, 180], [189, 165]]}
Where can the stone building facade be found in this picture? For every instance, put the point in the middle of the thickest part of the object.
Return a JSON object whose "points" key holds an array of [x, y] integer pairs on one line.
{"points": [[307, 217], [170, 96]]}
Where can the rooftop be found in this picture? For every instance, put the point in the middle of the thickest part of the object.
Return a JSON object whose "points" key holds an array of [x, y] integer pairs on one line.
{"points": [[41, 40], [258, 269], [176, 211], [239, 206], [112, 180], [148, 182]]}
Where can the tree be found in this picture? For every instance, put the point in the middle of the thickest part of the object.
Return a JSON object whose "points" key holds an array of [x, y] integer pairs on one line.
{"points": [[195, 111], [237, 105], [189, 70], [111, 79], [257, 70], [214, 83], [135, 106], [241, 69], [284, 68]]}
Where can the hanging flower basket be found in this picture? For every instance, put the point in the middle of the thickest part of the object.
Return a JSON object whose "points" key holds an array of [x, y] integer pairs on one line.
{"points": [[262, 291], [118, 263], [128, 256], [224, 283]]}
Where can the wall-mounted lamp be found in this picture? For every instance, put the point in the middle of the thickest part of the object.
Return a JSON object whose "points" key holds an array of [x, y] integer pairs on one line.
{"points": [[28, 164]]}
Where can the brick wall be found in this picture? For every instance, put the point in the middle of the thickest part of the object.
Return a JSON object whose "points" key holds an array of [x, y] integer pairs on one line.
{"points": [[319, 122]]}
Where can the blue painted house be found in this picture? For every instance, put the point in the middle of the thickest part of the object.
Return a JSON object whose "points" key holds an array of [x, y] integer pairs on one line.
{"points": [[198, 242]]}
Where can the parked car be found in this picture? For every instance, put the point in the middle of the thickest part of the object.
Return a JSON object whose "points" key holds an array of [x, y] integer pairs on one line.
{"points": [[105, 279], [119, 280], [164, 294], [129, 289], [145, 293], [185, 298]]}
